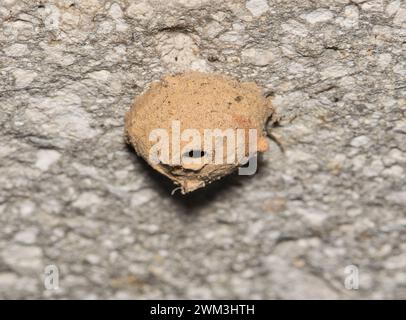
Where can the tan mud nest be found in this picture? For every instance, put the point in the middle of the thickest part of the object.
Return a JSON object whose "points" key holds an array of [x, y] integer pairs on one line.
{"points": [[196, 128]]}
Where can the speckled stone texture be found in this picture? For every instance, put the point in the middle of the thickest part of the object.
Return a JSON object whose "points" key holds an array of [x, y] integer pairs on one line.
{"points": [[74, 195]]}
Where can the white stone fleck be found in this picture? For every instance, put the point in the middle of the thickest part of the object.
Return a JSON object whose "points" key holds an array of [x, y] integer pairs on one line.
{"points": [[46, 158], [179, 52], [358, 162], [351, 17], [121, 25], [16, 50], [69, 19], [57, 54], [100, 75], [105, 27], [392, 8], [27, 236], [27, 208], [86, 170], [394, 156], [397, 197], [296, 68], [233, 37], [6, 150], [315, 218], [400, 126], [52, 17], [8, 3], [257, 7], [19, 28], [93, 259], [383, 60], [372, 5], [396, 262], [394, 171], [8, 281], [60, 117], [400, 18], [140, 11], [23, 77], [199, 65], [294, 27], [257, 57], [334, 71], [212, 30], [117, 55], [219, 16], [318, 16], [238, 27], [400, 68], [373, 169], [115, 11], [86, 200], [191, 3], [23, 258], [360, 141], [90, 6]]}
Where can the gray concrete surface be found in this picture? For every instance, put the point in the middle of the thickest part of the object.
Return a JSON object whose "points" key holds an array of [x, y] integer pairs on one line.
{"points": [[74, 196]]}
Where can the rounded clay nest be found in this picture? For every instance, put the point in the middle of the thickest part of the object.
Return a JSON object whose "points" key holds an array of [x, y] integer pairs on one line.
{"points": [[196, 101]]}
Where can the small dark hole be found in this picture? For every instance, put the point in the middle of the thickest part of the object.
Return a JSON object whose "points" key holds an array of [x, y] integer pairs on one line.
{"points": [[212, 58], [176, 58], [195, 154], [238, 98]]}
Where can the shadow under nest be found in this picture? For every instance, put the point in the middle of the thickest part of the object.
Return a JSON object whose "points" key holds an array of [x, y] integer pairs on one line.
{"points": [[201, 197]]}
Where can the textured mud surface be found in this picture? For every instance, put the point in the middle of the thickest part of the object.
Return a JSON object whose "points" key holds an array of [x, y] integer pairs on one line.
{"points": [[188, 104], [73, 195]]}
